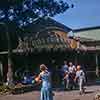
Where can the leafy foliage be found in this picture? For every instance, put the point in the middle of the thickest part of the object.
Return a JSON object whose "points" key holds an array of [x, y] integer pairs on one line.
{"points": [[4, 89], [24, 12]]}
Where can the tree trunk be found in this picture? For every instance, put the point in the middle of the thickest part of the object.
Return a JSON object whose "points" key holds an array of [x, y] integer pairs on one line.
{"points": [[10, 72]]}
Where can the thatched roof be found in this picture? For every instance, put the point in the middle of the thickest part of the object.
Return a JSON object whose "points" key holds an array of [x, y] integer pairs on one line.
{"points": [[43, 24], [44, 33]]}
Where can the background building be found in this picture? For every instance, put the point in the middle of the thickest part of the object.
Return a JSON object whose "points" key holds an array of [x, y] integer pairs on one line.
{"points": [[90, 37]]}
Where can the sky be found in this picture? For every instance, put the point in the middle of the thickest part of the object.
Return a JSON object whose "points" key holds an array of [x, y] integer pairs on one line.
{"points": [[86, 13]]}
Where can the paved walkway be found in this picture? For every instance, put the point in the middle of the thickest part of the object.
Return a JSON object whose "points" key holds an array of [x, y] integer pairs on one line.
{"points": [[59, 95]]}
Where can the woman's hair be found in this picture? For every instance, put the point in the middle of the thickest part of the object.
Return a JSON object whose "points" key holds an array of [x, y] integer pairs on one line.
{"points": [[43, 67]]}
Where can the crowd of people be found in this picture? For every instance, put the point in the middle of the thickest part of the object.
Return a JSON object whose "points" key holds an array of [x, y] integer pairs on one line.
{"points": [[72, 76]]}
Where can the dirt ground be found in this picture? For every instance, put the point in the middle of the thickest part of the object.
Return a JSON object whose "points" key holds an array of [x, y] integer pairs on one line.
{"points": [[91, 91]]}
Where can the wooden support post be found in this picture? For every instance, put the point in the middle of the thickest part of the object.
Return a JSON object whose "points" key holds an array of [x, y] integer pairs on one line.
{"points": [[97, 67]]}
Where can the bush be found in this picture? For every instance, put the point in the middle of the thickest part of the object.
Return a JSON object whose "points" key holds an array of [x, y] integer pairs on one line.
{"points": [[4, 89]]}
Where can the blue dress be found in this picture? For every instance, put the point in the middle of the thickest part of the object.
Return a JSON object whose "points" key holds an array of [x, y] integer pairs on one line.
{"points": [[46, 89]]}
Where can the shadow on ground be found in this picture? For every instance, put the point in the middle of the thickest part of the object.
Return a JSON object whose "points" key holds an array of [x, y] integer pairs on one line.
{"points": [[89, 92]]}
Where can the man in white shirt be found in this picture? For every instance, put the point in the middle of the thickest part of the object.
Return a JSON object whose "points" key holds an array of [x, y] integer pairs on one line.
{"points": [[80, 77], [71, 68], [72, 73]]}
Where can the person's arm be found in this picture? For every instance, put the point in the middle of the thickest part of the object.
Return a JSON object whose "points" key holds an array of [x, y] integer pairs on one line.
{"points": [[66, 76], [38, 78], [76, 76], [74, 68]]}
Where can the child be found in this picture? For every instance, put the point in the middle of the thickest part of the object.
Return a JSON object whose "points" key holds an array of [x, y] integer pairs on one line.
{"points": [[80, 77]]}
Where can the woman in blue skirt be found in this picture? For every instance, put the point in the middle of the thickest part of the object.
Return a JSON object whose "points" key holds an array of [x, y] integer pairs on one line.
{"points": [[45, 78]]}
